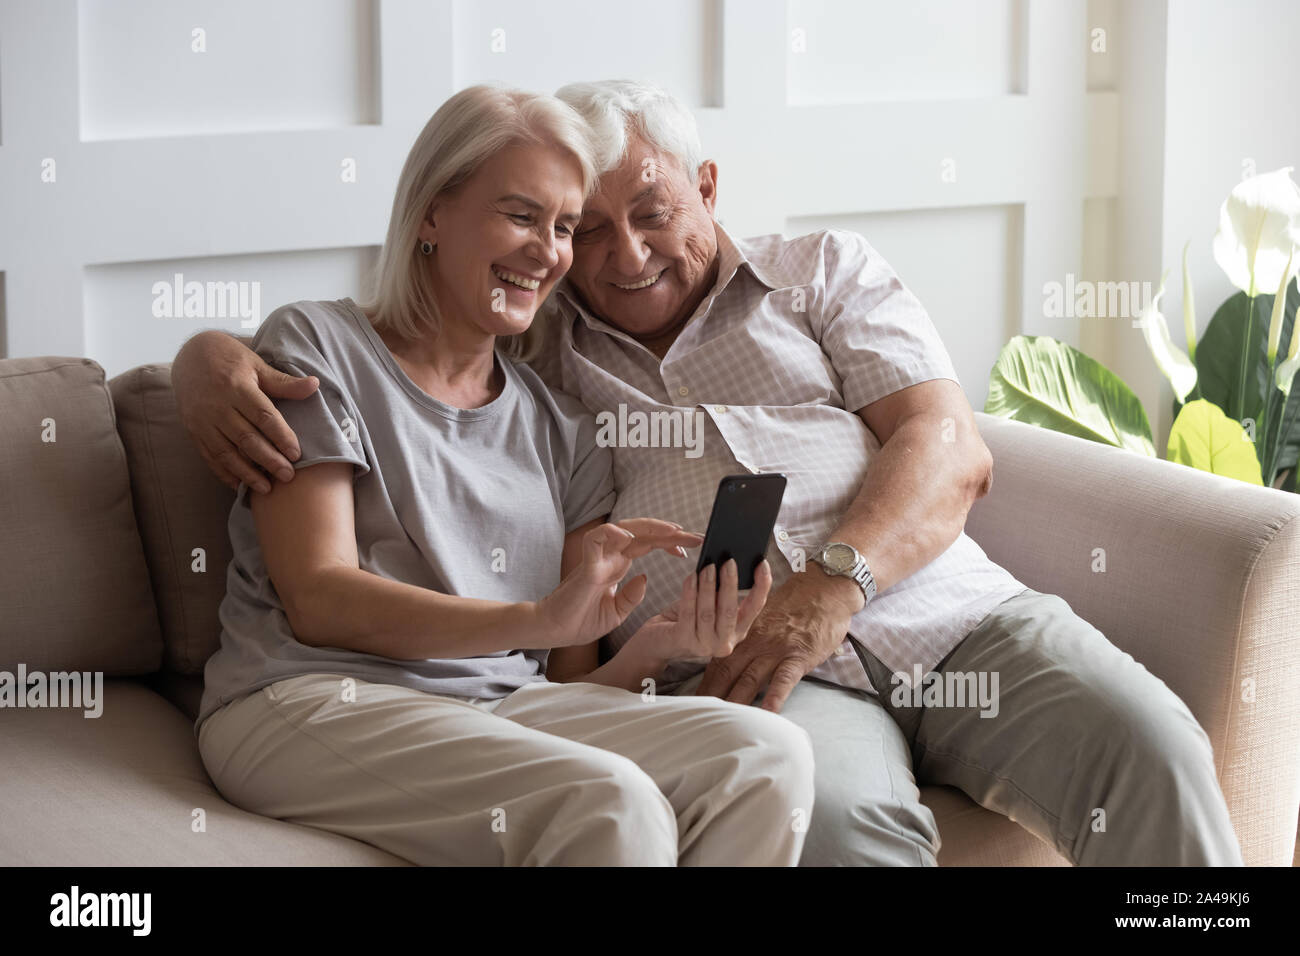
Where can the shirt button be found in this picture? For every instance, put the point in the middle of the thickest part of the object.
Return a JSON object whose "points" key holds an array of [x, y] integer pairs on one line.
{"points": [[683, 391], [720, 409], [783, 535]]}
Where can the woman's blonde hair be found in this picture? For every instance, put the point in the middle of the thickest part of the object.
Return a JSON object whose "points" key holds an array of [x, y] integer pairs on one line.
{"points": [[464, 133]]}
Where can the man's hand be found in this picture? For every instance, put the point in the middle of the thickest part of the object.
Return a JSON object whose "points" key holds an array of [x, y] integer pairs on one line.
{"points": [[805, 621], [709, 618], [222, 390]]}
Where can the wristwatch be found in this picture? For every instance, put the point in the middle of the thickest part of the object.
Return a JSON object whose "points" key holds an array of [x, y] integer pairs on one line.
{"points": [[838, 558]]}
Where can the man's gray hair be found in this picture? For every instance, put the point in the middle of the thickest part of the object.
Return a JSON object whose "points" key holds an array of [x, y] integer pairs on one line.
{"points": [[612, 107]]}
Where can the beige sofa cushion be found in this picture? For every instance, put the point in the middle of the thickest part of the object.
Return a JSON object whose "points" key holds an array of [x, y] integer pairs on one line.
{"points": [[121, 790], [181, 507], [970, 835], [74, 590]]}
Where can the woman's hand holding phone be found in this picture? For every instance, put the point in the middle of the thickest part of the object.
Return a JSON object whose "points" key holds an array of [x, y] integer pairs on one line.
{"points": [[709, 619], [589, 604]]}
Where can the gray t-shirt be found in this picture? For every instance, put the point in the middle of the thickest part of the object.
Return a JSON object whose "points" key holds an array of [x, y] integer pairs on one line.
{"points": [[471, 502]]}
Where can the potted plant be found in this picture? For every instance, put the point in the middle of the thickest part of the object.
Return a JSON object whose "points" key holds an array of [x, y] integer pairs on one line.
{"points": [[1236, 410]]}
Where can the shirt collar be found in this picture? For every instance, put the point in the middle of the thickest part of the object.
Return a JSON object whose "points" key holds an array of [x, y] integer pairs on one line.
{"points": [[756, 260]]}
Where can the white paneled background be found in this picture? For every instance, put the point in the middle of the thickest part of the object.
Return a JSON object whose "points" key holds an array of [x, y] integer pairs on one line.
{"points": [[271, 66], [976, 143]]}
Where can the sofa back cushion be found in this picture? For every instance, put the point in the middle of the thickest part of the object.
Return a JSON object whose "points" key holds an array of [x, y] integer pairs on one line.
{"points": [[182, 510], [74, 589]]}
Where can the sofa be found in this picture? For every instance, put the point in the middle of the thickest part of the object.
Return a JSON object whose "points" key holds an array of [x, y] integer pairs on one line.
{"points": [[113, 556]]}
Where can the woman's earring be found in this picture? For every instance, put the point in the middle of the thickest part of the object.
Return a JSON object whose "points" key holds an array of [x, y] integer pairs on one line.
{"points": [[426, 247]]}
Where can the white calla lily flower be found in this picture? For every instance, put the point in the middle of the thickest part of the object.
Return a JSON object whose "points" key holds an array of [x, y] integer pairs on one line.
{"points": [[1259, 225], [1279, 305], [1170, 359], [1286, 372]]}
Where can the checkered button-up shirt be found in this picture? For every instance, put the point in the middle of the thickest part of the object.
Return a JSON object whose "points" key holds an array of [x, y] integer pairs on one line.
{"points": [[795, 336]]}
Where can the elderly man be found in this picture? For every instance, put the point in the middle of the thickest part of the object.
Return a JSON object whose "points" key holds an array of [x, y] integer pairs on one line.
{"points": [[808, 357]]}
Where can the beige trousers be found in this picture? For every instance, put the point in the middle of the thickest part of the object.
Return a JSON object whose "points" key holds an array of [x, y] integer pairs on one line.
{"points": [[1087, 750], [553, 774]]}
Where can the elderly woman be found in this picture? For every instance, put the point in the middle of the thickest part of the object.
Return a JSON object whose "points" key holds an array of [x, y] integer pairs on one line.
{"points": [[390, 611]]}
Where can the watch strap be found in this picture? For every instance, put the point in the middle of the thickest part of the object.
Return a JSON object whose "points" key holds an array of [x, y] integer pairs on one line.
{"points": [[860, 572]]}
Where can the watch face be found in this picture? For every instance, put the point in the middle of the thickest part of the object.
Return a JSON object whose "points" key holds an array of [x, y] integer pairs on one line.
{"points": [[839, 558]]}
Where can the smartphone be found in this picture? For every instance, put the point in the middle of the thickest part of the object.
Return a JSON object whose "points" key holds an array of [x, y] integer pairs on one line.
{"points": [[744, 513]]}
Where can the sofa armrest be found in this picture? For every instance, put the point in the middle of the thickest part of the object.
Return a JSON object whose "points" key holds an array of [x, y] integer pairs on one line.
{"points": [[1195, 575]]}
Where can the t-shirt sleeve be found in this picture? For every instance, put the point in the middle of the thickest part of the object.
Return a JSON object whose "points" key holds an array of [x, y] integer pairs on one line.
{"points": [[326, 423], [876, 333], [589, 492]]}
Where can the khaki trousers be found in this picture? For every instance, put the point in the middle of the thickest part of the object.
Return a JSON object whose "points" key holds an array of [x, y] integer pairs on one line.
{"points": [[553, 774], [1086, 749]]}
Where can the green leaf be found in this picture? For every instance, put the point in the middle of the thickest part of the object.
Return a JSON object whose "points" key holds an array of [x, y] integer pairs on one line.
{"points": [[1219, 369], [1218, 357], [1043, 382], [1288, 457], [1289, 443], [1218, 366], [1205, 438]]}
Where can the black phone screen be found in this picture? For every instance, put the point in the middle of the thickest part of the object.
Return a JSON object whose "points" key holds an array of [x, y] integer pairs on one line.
{"points": [[744, 513]]}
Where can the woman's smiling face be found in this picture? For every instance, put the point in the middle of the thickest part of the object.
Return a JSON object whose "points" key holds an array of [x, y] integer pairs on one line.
{"points": [[503, 238]]}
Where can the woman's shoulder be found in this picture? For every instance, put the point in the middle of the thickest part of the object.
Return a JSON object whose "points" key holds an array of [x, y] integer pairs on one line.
{"points": [[554, 402], [323, 329], [562, 426]]}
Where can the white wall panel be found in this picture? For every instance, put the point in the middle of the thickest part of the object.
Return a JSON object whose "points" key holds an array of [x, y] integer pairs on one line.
{"points": [[542, 46], [287, 64], [119, 308], [964, 266], [227, 164], [1103, 33], [1097, 335], [852, 51]]}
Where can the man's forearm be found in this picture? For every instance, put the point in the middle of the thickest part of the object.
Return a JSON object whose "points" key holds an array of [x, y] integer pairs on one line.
{"points": [[914, 501]]}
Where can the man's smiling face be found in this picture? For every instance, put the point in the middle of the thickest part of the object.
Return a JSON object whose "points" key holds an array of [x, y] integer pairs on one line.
{"points": [[645, 253]]}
